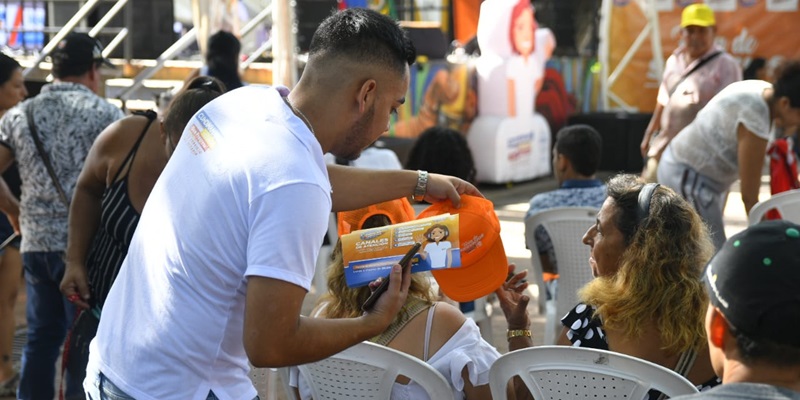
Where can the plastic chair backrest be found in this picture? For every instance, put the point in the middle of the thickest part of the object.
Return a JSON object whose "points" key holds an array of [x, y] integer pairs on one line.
{"points": [[562, 372], [368, 371], [787, 203], [566, 226]]}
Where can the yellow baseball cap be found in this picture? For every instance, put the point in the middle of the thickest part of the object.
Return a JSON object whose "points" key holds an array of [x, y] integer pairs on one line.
{"points": [[698, 14]]}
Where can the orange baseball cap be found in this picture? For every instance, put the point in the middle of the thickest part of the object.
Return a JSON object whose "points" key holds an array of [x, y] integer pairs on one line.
{"points": [[484, 266], [397, 211]]}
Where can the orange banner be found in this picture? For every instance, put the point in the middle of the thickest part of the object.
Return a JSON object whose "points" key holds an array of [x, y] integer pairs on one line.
{"points": [[745, 28]]}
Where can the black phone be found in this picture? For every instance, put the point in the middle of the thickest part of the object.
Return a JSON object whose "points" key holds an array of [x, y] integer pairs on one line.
{"points": [[385, 284]]}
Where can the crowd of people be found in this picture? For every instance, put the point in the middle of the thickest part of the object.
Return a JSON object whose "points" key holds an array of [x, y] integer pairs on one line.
{"points": [[169, 253]]}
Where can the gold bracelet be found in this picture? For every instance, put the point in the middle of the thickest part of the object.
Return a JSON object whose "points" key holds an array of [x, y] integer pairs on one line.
{"points": [[512, 333]]}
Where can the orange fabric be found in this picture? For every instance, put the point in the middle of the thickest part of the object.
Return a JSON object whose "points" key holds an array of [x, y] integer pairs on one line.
{"points": [[484, 265], [549, 276], [398, 211]]}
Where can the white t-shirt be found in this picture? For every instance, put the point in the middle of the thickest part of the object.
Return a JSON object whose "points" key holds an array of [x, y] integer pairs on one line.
{"points": [[246, 193], [710, 143], [372, 157], [437, 253]]}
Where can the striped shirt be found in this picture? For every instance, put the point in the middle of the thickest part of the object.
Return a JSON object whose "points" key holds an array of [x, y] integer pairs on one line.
{"points": [[118, 220]]}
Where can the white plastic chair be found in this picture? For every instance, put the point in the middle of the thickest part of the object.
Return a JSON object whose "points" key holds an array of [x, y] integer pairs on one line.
{"points": [[368, 371], [787, 203], [566, 226], [562, 372]]}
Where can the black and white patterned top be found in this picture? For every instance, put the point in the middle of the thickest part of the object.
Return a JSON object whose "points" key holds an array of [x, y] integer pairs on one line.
{"points": [[584, 330], [68, 117]]}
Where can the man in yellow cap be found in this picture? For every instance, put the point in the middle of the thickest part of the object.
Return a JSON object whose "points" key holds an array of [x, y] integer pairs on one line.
{"points": [[694, 73]]}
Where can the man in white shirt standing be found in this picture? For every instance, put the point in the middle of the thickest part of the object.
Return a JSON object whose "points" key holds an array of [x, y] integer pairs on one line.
{"points": [[225, 250]]}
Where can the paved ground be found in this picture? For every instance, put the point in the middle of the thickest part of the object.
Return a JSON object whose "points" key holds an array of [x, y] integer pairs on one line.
{"points": [[511, 202]]}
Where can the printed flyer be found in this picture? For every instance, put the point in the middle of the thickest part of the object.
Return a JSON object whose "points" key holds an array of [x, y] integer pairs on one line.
{"points": [[370, 253]]}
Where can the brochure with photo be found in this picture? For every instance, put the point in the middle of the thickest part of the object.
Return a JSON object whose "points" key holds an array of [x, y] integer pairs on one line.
{"points": [[370, 253]]}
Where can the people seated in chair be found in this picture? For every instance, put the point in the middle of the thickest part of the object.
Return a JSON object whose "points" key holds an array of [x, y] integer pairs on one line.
{"points": [[576, 157], [648, 250], [754, 314], [455, 347]]}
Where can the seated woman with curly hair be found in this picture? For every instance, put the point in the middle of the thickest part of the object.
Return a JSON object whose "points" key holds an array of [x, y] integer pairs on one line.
{"points": [[648, 251]]}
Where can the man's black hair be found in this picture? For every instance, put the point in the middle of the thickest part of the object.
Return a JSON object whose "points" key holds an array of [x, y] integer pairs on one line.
{"points": [[364, 35], [582, 146], [753, 351], [788, 83]]}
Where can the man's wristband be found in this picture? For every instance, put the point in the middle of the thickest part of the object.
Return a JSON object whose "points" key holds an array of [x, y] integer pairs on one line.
{"points": [[512, 333], [422, 186]]}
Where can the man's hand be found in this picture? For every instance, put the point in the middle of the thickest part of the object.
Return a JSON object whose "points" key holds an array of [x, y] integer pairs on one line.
{"points": [[390, 302], [75, 285], [512, 300], [442, 187]]}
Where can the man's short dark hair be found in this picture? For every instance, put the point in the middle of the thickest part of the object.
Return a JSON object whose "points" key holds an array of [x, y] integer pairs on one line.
{"points": [[364, 35], [787, 83], [753, 351], [582, 146]]}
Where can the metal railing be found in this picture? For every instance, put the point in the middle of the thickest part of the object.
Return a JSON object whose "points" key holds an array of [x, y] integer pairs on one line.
{"points": [[185, 41], [82, 12]]}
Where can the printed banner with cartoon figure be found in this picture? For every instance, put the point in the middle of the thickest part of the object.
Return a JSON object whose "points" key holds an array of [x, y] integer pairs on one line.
{"points": [[370, 253], [745, 28]]}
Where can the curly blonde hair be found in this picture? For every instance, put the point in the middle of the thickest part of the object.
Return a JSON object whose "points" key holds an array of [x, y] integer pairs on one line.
{"points": [[660, 272]]}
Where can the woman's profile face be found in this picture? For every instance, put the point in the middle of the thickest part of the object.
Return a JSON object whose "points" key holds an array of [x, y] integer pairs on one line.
{"points": [[606, 241], [13, 90]]}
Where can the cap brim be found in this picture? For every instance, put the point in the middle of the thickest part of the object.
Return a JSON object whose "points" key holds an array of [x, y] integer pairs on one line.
{"points": [[478, 280], [696, 22], [107, 63]]}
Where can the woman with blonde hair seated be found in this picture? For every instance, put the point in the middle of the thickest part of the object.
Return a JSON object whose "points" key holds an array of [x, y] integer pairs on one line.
{"points": [[454, 345], [648, 251]]}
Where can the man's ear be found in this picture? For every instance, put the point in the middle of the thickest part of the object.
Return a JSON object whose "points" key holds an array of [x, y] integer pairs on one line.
{"points": [[367, 94], [718, 328], [784, 103], [562, 162]]}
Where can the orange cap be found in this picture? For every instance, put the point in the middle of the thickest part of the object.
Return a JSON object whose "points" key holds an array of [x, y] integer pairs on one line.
{"points": [[484, 266], [398, 211]]}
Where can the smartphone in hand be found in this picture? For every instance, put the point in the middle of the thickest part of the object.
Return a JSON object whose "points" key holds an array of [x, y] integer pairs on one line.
{"points": [[385, 284]]}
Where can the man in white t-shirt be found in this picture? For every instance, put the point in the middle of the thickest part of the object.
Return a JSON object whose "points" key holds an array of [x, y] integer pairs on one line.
{"points": [[225, 250]]}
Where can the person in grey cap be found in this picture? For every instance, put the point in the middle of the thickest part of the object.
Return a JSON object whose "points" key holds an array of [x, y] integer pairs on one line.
{"points": [[754, 316], [64, 119]]}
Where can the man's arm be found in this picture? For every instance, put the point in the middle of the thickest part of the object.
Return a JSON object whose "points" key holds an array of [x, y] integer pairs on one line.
{"points": [[652, 127], [354, 188], [276, 335], [752, 150]]}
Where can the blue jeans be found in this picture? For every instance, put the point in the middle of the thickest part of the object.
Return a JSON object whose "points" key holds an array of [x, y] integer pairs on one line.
{"points": [[49, 316], [107, 390]]}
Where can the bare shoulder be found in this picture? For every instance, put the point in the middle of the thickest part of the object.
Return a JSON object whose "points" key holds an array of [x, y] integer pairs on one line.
{"points": [[447, 317], [122, 134]]}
